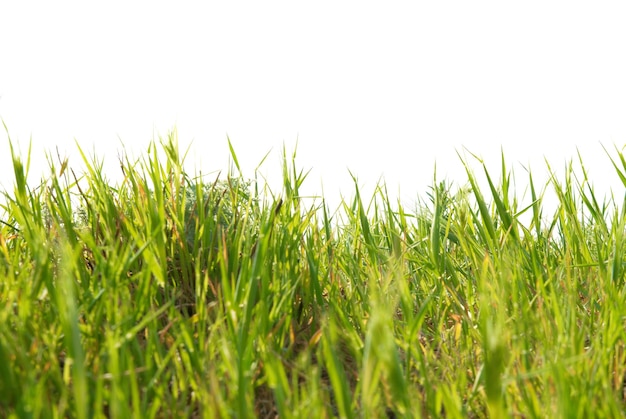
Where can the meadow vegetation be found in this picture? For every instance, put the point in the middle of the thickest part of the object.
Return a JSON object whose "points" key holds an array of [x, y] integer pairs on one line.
{"points": [[169, 295]]}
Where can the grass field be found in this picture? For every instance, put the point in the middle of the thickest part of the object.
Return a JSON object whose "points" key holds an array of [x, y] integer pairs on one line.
{"points": [[168, 295]]}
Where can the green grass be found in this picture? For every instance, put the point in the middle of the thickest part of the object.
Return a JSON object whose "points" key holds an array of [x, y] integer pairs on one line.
{"points": [[167, 295]]}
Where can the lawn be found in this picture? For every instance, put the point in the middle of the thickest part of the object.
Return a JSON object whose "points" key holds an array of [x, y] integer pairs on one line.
{"points": [[168, 294]]}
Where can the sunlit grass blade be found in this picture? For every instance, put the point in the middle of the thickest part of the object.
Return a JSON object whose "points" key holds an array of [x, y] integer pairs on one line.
{"points": [[487, 226], [336, 373]]}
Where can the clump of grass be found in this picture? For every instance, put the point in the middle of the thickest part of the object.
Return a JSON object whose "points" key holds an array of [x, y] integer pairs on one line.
{"points": [[166, 295]]}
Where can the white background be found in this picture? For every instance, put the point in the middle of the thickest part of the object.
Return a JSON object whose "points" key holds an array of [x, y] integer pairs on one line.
{"points": [[380, 88]]}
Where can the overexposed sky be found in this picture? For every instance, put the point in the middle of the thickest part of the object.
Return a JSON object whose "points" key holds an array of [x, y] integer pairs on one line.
{"points": [[380, 88]]}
